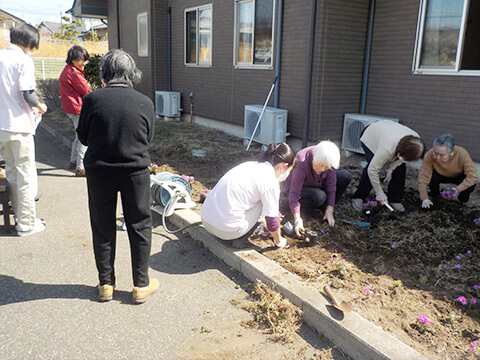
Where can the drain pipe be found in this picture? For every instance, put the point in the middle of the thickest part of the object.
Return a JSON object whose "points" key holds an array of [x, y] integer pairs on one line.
{"points": [[276, 94], [368, 54], [169, 48], [306, 121], [118, 24]]}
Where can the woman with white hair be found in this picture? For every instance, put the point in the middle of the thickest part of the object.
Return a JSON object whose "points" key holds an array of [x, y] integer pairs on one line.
{"points": [[315, 184], [116, 123]]}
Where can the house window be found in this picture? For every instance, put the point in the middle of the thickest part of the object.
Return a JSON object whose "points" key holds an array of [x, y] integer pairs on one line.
{"points": [[448, 38], [142, 34], [198, 36], [254, 33]]}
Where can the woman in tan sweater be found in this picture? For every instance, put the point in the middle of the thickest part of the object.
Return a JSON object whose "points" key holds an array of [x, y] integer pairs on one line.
{"points": [[446, 163]]}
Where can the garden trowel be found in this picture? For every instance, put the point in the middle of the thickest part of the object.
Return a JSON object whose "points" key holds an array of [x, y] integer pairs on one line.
{"points": [[358, 223]]}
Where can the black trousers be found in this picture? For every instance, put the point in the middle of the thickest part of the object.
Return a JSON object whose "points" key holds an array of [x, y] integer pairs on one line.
{"points": [[396, 186], [438, 179], [315, 198], [134, 187]]}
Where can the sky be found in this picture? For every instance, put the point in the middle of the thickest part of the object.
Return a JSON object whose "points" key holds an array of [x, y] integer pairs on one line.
{"points": [[36, 11]]}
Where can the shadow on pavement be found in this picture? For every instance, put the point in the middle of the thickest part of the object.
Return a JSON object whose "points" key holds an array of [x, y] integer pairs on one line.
{"points": [[16, 291]]}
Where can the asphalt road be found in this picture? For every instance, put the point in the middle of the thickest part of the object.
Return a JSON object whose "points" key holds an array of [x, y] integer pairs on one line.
{"points": [[48, 307]]}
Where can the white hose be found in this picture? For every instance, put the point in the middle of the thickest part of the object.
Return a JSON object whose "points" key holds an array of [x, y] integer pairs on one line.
{"points": [[171, 203]]}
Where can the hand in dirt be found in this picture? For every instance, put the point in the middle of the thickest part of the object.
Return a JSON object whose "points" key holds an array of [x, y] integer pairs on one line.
{"points": [[329, 216], [299, 229], [427, 203], [388, 176], [381, 198]]}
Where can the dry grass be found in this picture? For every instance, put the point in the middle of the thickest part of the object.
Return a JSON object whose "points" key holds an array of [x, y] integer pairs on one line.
{"points": [[59, 48], [277, 314]]}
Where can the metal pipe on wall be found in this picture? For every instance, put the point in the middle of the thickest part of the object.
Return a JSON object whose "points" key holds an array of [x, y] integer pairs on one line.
{"points": [[306, 120], [368, 54], [169, 48], [118, 24], [276, 94]]}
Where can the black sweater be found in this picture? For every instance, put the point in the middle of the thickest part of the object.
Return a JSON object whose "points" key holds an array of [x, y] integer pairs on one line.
{"points": [[116, 123]]}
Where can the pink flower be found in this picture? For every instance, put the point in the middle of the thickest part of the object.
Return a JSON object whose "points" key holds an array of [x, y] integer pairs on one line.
{"points": [[422, 319], [394, 245], [462, 300], [476, 287], [473, 301], [368, 290]]}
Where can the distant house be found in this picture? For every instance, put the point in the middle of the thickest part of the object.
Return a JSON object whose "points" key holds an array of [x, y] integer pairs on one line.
{"points": [[48, 29], [413, 60], [7, 21]]}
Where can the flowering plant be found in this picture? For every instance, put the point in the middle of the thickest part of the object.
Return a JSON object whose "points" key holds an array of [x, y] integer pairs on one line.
{"points": [[398, 283], [368, 290], [423, 323], [476, 221], [474, 346], [462, 300], [152, 168], [204, 194], [340, 265], [453, 318], [189, 178], [449, 193]]}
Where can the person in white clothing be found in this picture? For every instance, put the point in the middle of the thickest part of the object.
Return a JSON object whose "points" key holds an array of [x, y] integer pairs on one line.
{"points": [[18, 107], [246, 193]]}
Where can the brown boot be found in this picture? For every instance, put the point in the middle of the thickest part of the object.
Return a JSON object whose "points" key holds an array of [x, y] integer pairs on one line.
{"points": [[80, 173]]}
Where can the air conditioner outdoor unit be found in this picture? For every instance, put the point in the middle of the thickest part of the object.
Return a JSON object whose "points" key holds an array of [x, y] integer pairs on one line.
{"points": [[353, 125], [272, 127], [167, 103]]}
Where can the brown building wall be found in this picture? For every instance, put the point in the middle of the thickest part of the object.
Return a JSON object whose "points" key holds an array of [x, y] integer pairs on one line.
{"points": [[430, 104], [128, 11], [220, 92], [338, 66]]}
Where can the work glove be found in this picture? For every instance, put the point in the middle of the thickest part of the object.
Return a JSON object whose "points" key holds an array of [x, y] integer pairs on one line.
{"points": [[329, 216], [299, 229], [381, 198], [427, 203], [388, 176]]}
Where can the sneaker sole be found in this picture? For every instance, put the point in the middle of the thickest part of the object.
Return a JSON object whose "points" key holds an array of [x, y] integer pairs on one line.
{"points": [[142, 300], [105, 298]]}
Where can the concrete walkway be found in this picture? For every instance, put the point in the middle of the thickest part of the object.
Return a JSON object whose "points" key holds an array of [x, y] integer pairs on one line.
{"points": [[48, 307]]}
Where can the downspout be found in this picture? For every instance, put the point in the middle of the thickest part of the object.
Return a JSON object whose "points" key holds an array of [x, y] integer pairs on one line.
{"points": [[153, 25], [276, 94], [118, 24], [169, 48], [368, 54], [306, 121]]}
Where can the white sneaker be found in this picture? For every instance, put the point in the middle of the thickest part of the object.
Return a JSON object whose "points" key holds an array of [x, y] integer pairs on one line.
{"points": [[39, 227], [283, 242]]}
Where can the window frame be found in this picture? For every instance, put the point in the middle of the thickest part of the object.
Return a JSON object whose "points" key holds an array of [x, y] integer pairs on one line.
{"points": [[456, 70], [139, 51], [198, 63], [251, 64]]}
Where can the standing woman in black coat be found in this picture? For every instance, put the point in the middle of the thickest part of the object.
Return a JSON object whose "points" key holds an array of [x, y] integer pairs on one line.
{"points": [[116, 123]]}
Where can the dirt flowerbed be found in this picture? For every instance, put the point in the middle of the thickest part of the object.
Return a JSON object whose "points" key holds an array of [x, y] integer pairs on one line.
{"points": [[415, 274]]}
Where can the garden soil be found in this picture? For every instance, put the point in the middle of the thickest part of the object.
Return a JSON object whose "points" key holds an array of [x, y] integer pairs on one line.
{"points": [[420, 264]]}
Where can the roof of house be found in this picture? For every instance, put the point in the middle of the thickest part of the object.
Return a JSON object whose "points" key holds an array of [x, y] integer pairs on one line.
{"points": [[7, 15], [49, 27]]}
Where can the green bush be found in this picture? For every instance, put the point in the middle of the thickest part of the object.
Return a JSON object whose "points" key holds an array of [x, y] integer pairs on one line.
{"points": [[92, 71]]}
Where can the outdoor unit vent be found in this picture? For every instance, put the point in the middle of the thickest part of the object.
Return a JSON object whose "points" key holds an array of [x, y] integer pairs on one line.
{"points": [[353, 125], [167, 103], [272, 127]]}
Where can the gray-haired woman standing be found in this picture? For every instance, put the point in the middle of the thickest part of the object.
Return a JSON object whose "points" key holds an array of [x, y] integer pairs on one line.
{"points": [[116, 123]]}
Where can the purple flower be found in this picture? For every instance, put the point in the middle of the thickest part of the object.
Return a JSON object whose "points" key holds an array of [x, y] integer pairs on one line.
{"points": [[423, 320], [462, 300], [473, 301], [458, 257], [445, 266], [368, 290], [476, 287], [469, 253], [457, 266], [394, 245]]}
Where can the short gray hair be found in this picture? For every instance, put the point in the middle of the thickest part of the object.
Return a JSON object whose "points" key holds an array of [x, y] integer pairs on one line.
{"points": [[445, 140], [327, 153], [119, 67]]}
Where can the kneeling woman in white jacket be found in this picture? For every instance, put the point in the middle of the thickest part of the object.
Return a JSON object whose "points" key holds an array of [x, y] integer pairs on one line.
{"points": [[246, 193]]}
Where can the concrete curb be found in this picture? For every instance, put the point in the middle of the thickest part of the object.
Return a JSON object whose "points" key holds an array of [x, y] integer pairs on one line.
{"points": [[353, 334]]}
